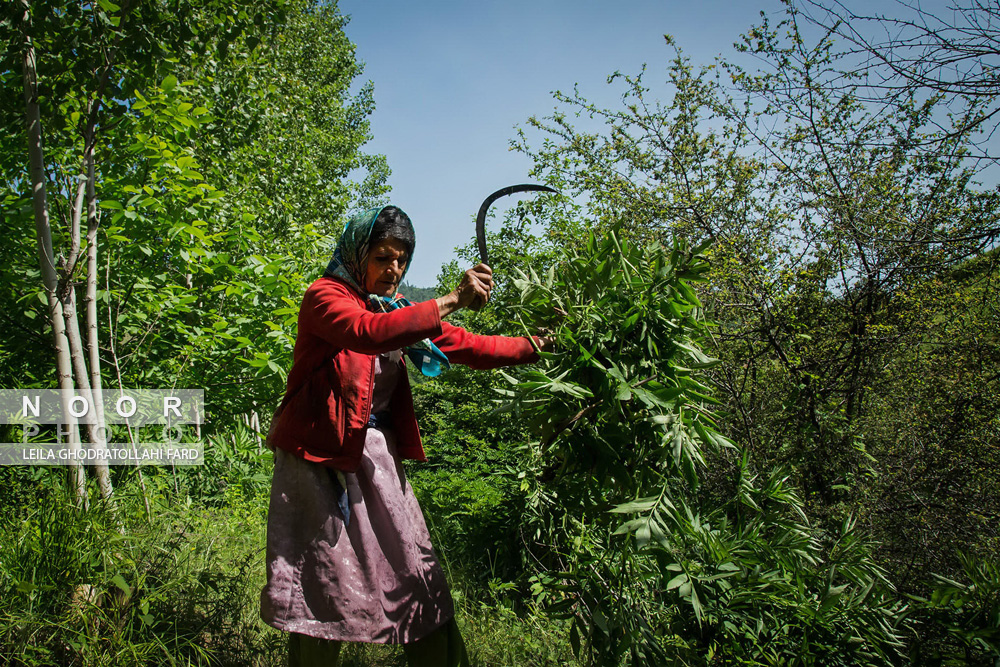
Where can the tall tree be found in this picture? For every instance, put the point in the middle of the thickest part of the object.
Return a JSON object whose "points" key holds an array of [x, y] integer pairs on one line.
{"points": [[826, 210], [952, 53], [169, 136]]}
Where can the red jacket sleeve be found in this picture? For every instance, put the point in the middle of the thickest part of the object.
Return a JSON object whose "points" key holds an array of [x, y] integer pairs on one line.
{"points": [[331, 311], [482, 352]]}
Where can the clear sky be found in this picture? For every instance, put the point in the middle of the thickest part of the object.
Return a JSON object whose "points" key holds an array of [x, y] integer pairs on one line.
{"points": [[453, 79]]}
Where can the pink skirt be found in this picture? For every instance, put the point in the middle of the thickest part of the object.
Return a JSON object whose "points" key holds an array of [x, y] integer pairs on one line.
{"points": [[378, 579]]}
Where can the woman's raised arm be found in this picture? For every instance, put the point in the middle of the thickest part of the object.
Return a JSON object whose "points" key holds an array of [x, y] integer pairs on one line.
{"points": [[333, 312]]}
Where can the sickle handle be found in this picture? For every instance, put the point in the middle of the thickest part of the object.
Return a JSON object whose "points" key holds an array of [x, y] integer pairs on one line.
{"points": [[481, 217]]}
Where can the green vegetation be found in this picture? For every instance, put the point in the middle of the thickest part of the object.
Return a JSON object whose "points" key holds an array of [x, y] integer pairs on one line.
{"points": [[767, 433], [417, 294]]}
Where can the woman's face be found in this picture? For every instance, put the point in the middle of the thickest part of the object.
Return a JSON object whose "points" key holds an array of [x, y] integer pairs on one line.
{"points": [[386, 262]]}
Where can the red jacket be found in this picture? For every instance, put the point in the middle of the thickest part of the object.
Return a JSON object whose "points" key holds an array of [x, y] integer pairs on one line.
{"points": [[328, 397]]}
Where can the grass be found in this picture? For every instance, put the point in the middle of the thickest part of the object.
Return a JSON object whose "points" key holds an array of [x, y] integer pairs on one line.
{"points": [[181, 588], [494, 636]]}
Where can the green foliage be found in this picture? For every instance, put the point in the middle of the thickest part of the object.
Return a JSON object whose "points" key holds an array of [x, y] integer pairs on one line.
{"points": [[626, 365], [80, 588], [497, 635], [753, 581], [417, 294], [626, 425], [933, 424], [467, 488], [966, 614]]}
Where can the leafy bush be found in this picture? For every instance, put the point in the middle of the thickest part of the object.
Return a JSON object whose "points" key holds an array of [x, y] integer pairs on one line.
{"points": [[237, 464], [959, 623], [625, 423]]}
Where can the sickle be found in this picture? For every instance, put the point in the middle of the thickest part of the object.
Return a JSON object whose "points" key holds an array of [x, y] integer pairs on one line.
{"points": [[481, 217]]}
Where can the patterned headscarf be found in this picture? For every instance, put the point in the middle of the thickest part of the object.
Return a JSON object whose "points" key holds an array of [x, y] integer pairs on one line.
{"points": [[350, 263]]}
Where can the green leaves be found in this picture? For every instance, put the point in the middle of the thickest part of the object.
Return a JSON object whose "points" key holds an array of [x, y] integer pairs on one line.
{"points": [[968, 611], [623, 412], [621, 301]]}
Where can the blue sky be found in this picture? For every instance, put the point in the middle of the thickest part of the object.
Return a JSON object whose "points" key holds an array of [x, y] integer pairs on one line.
{"points": [[453, 79]]}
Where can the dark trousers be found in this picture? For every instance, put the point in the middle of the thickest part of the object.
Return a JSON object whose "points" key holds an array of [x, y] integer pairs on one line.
{"points": [[442, 648]]}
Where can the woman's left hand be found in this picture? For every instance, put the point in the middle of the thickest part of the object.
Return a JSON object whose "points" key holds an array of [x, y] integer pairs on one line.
{"points": [[545, 343]]}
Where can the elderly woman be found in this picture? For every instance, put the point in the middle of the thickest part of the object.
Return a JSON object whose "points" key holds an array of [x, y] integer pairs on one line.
{"points": [[349, 557]]}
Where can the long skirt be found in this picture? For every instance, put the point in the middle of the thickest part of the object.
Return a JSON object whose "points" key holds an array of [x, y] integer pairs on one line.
{"points": [[375, 580]]}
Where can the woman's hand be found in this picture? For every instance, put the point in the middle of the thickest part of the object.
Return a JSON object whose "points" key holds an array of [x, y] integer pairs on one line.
{"points": [[472, 292], [545, 343], [545, 339]]}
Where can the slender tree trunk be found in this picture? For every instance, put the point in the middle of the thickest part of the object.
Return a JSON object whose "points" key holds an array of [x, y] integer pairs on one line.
{"points": [[46, 259], [255, 426], [189, 283], [96, 428], [96, 384], [95, 417], [76, 349]]}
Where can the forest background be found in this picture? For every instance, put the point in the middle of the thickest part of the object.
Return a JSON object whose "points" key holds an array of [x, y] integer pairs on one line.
{"points": [[767, 433]]}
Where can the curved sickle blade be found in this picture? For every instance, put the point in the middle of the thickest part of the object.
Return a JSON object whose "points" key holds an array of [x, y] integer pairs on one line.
{"points": [[481, 217]]}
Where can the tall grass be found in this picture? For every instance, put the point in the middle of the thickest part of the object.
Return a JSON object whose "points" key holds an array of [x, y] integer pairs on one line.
{"points": [[180, 585], [103, 587]]}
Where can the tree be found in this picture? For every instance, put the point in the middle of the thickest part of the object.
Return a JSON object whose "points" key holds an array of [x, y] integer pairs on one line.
{"points": [[839, 221], [947, 53], [152, 124]]}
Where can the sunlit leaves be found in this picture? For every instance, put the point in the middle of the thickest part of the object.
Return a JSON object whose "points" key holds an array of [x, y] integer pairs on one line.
{"points": [[213, 195], [625, 360]]}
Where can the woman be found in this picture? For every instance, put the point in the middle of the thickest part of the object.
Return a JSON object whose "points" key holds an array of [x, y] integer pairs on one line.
{"points": [[349, 557]]}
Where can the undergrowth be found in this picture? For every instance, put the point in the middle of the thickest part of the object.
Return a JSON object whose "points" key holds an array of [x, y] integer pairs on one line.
{"points": [[180, 585]]}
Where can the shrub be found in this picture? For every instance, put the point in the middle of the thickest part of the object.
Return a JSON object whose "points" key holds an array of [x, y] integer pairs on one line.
{"points": [[626, 425]]}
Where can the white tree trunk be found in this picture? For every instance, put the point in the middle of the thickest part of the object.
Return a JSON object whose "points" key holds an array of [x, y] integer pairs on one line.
{"points": [[96, 384], [46, 258], [95, 417]]}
